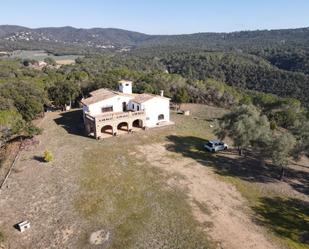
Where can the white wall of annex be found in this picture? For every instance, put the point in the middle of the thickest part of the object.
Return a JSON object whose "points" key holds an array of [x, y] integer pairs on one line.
{"points": [[153, 108]]}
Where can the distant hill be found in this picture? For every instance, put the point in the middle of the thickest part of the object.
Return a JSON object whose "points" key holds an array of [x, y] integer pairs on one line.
{"points": [[272, 61], [18, 37]]}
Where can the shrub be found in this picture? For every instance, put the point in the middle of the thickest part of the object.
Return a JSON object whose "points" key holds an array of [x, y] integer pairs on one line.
{"points": [[273, 125], [32, 130], [246, 99], [48, 156], [50, 61]]}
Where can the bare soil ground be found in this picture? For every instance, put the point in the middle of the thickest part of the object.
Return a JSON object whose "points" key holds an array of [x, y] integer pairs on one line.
{"points": [[224, 207], [42, 193], [151, 189]]}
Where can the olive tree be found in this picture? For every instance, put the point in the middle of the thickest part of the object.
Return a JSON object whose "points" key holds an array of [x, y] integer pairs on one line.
{"points": [[281, 148], [301, 132], [248, 128], [63, 92], [181, 96], [245, 125]]}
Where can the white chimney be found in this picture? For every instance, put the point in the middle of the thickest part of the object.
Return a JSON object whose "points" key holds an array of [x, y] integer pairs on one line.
{"points": [[125, 86], [161, 93]]}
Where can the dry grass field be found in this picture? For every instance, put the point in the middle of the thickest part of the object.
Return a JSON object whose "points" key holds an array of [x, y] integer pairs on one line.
{"points": [[151, 189], [65, 62]]}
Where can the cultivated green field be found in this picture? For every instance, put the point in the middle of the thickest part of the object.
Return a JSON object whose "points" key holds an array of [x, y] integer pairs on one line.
{"points": [[40, 55]]}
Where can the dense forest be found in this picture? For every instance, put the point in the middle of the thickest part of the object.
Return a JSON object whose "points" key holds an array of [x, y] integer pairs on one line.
{"points": [[25, 91], [268, 69], [240, 70]]}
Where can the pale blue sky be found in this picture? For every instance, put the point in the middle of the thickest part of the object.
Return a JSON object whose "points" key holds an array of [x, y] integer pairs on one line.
{"points": [[158, 16]]}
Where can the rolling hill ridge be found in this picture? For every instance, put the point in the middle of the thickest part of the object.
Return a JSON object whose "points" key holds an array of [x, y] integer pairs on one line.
{"points": [[18, 37]]}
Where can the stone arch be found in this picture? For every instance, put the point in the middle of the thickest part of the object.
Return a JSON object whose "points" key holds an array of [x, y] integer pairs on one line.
{"points": [[107, 129], [138, 123], [121, 126]]}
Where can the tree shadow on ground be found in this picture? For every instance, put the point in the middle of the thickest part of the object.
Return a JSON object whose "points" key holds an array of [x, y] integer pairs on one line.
{"points": [[228, 163], [299, 180], [224, 163], [288, 218], [72, 122]]}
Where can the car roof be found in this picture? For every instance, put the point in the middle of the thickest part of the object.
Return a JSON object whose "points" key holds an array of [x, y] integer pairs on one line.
{"points": [[215, 141]]}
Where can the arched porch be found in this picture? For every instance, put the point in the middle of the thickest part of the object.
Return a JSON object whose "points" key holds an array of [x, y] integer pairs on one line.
{"points": [[107, 130], [137, 124]]}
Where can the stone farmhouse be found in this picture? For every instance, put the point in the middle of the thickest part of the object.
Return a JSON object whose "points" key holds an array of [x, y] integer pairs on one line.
{"points": [[108, 113]]}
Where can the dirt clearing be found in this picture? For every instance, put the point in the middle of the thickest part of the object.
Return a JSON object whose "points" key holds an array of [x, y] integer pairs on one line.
{"points": [[224, 207]]}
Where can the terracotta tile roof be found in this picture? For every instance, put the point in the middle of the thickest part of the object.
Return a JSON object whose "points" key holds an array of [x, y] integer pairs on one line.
{"points": [[103, 94], [99, 91], [141, 98], [98, 95]]}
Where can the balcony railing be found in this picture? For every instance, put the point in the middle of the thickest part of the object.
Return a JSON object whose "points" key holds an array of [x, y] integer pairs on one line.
{"points": [[115, 116]]}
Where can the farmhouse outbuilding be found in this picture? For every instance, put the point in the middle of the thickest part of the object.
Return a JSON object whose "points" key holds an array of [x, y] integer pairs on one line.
{"points": [[112, 112]]}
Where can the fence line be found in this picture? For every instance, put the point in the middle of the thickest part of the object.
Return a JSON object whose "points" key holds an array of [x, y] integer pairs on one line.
{"points": [[11, 167]]}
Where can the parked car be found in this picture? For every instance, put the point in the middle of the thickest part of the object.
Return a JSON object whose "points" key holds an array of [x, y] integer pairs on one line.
{"points": [[215, 145]]}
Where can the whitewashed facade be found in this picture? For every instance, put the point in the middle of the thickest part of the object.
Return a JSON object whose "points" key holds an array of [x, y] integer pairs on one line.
{"points": [[107, 111]]}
